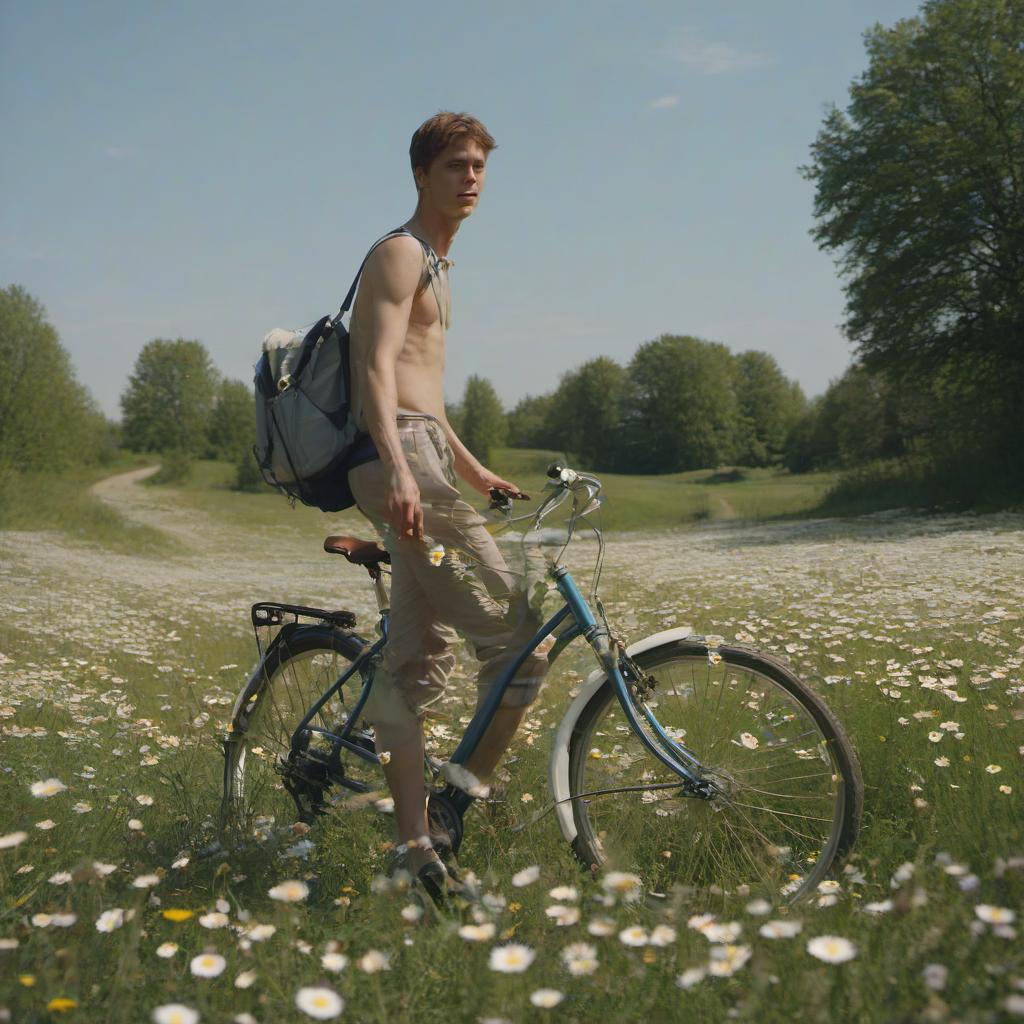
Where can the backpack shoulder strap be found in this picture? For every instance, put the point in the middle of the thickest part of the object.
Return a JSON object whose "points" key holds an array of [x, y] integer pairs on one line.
{"points": [[428, 251]]}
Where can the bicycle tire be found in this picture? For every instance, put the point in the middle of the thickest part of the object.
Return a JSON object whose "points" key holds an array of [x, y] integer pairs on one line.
{"points": [[262, 778], [740, 838]]}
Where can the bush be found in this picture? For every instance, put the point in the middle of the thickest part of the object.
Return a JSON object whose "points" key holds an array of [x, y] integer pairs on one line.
{"points": [[175, 467], [247, 474]]}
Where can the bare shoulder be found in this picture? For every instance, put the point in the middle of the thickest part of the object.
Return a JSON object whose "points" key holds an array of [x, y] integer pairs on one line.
{"points": [[395, 268]]}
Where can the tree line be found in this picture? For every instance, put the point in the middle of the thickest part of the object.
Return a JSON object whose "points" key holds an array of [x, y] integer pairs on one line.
{"points": [[681, 403]]}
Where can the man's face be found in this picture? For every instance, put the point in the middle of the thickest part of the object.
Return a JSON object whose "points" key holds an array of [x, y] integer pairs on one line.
{"points": [[455, 179]]}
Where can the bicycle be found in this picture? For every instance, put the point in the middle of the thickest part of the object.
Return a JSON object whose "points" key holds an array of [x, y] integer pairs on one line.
{"points": [[694, 761]]}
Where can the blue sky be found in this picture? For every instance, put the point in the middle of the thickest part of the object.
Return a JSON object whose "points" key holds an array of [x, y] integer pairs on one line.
{"points": [[211, 171]]}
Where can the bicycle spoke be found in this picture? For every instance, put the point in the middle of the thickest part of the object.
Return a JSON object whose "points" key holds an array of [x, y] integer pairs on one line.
{"points": [[738, 722]]}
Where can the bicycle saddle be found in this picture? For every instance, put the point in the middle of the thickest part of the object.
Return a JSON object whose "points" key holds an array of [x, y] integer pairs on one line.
{"points": [[358, 552]]}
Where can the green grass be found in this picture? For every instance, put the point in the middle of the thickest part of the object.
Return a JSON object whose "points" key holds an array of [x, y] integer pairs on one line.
{"points": [[50, 501], [676, 499], [118, 707], [633, 502]]}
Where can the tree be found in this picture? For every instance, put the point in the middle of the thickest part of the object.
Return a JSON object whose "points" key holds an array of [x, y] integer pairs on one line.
{"points": [[231, 429], [769, 408], [483, 419], [585, 414], [527, 423], [920, 192], [48, 421], [681, 408], [169, 397]]}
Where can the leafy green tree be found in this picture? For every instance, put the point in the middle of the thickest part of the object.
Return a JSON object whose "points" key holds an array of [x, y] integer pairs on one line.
{"points": [[681, 407], [861, 417], [769, 407], [231, 429], [453, 413], [920, 193], [585, 415], [483, 419], [169, 397], [527, 423], [48, 421]]}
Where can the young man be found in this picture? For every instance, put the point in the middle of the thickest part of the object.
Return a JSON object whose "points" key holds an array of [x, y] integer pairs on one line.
{"points": [[398, 335]]}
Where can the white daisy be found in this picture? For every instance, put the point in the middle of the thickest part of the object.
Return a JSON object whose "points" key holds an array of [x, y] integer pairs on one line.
{"points": [[633, 936], [513, 958], [623, 882], [207, 965], [726, 960], [833, 949], [214, 919], [546, 998], [563, 915], [166, 950], [334, 962], [879, 907], [564, 893], [477, 932], [291, 891], [780, 929], [662, 935], [690, 977], [994, 915], [12, 839], [47, 788], [109, 920], [319, 1003], [175, 1013], [245, 979], [526, 877], [373, 961]]}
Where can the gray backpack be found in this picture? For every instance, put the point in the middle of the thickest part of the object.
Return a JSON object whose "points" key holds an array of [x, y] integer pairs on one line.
{"points": [[306, 436]]}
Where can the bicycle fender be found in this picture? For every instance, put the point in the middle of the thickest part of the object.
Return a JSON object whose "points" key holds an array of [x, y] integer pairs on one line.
{"points": [[558, 764]]}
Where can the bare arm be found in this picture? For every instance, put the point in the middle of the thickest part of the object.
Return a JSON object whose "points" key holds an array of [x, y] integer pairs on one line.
{"points": [[469, 467], [392, 275]]}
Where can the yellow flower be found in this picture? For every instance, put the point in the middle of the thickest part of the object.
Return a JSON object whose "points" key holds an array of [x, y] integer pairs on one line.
{"points": [[436, 554], [61, 1003], [28, 980], [178, 914]]}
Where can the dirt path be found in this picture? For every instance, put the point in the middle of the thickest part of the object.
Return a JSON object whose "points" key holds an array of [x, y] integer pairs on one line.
{"points": [[876, 572]]}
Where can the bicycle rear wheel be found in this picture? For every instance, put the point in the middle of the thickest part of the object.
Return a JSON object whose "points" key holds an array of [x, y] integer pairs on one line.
{"points": [[788, 788], [267, 778]]}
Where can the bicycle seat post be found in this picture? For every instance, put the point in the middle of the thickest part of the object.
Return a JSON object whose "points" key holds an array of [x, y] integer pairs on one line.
{"points": [[380, 589]]}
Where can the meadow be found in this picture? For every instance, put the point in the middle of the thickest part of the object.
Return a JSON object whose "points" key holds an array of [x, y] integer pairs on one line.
{"points": [[123, 645]]}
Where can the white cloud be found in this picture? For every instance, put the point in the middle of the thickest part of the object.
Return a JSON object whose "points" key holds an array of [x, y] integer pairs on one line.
{"points": [[709, 58], [664, 102]]}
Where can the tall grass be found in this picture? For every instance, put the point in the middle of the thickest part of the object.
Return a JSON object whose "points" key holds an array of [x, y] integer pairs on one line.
{"points": [[52, 501], [130, 706]]}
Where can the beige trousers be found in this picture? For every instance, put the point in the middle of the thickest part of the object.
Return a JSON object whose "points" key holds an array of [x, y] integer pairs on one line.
{"points": [[469, 589]]}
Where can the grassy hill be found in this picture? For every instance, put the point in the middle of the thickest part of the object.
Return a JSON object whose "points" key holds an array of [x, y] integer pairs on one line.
{"points": [[633, 502]]}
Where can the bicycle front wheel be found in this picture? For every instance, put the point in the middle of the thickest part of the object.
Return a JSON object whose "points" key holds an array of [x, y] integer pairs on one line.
{"points": [[271, 774], [787, 785]]}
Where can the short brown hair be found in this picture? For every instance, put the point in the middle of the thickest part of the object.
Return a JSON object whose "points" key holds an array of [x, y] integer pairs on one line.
{"points": [[441, 130]]}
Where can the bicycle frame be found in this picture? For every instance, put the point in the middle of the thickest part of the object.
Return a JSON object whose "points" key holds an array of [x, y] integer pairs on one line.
{"points": [[673, 755]]}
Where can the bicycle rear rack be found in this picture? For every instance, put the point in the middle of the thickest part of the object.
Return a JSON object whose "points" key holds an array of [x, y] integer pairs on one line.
{"points": [[272, 613]]}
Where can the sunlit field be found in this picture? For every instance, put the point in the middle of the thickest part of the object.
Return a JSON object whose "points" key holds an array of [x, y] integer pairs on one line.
{"points": [[122, 900]]}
